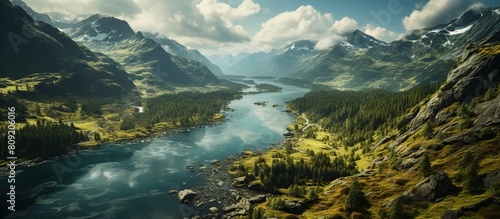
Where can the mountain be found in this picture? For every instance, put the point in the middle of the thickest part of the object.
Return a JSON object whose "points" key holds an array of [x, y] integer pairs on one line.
{"points": [[461, 119], [361, 40], [151, 67], [40, 56], [177, 49], [39, 16], [361, 61]]}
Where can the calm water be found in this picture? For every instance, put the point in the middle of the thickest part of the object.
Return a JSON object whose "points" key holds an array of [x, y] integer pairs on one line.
{"points": [[131, 180]]}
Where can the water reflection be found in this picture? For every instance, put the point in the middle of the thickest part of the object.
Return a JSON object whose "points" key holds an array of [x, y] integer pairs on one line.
{"points": [[132, 180]]}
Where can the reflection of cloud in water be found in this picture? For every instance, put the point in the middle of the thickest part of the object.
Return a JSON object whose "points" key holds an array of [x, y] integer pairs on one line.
{"points": [[270, 119], [214, 138]]}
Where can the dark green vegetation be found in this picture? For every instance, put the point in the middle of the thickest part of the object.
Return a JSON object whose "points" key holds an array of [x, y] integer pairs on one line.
{"points": [[356, 115], [45, 139], [262, 88], [49, 58], [285, 172], [185, 109]]}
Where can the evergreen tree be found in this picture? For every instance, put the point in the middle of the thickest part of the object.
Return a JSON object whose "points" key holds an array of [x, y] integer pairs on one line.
{"points": [[425, 165], [397, 210], [428, 131], [356, 199]]}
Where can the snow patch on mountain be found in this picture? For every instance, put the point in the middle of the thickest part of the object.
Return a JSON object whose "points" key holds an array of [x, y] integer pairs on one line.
{"points": [[461, 31]]}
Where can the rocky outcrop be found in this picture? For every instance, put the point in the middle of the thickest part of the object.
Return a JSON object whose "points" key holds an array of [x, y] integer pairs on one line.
{"points": [[187, 195], [295, 206], [452, 214], [476, 72], [491, 178], [435, 186]]}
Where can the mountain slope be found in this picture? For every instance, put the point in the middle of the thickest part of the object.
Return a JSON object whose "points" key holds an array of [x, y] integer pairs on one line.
{"points": [[53, 62], [361, 61], [151, 67], [177, 49], [462, 117]]}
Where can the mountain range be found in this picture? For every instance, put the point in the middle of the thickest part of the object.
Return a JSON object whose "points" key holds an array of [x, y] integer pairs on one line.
{"points": [[153, 68], [361, 61], [45, 59]]}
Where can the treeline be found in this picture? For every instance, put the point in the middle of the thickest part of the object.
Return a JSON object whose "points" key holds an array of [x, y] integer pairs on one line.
{"points": [[185, 108], [284, 171], [268, 88], [7, 100], [44, 139], [355, 115]]}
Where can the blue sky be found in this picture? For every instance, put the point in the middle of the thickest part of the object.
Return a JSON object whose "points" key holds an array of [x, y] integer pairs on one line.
{"points": [[233, 26]]}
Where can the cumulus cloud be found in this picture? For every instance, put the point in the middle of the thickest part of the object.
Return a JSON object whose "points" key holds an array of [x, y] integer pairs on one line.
{"points": [[436, 12], [119, 8], [343, 26], [381, 33], [206, 22], [335, 33], [328, 41], [303, 23]]}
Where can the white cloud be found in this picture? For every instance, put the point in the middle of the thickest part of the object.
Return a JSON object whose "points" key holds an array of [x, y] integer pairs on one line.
{"points": [[328, 41], [118, 8], [343, 26], [381, 33], [303, 23], [208, 23], [436, 12], [334, 34]]}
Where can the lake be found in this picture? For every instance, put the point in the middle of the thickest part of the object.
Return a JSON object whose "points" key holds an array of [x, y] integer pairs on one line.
{"points": [[132, 180]]}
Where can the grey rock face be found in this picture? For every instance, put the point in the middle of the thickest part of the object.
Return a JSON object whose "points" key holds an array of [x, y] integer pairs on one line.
{"points": [[435, 186]]}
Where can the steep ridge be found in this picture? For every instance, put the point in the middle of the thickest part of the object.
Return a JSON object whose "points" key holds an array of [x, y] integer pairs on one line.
{"points": [[361, 61], [151, 67], [177, 49], [462, 118], [51, 62]]}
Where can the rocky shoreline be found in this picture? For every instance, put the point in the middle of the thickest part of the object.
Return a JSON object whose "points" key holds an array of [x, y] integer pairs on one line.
{"points": [[221, 195]]}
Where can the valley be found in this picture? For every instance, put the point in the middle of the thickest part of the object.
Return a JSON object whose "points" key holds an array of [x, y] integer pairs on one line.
{"points": [[149, 110]]}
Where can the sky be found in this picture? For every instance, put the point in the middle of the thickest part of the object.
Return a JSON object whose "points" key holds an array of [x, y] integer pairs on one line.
{"points": [[217, 27]]}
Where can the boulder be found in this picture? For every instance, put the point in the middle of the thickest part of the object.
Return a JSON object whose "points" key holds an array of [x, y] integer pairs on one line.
{"points": [[213, 209], [257, 199], [187, 195], [452, 214], [491, 178], [243, 204], [435, 186], [173, 192], [294, 206], [409, 163]]}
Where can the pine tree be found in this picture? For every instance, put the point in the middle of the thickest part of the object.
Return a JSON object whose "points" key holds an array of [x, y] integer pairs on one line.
{"points": [[397, 210], [425, 165], [356, 198], [428, 131]]}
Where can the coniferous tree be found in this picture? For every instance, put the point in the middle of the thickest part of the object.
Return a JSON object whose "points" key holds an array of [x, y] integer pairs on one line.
{"points": [[397, 210], [425, 165], [428, 131], [356, 199]]}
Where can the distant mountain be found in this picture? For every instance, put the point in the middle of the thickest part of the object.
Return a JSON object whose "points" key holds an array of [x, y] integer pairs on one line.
{"points": [[39, 16], [153, 69], [177, 49], [224, 61], [47, 60], [361, 40], [361, 61]]}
